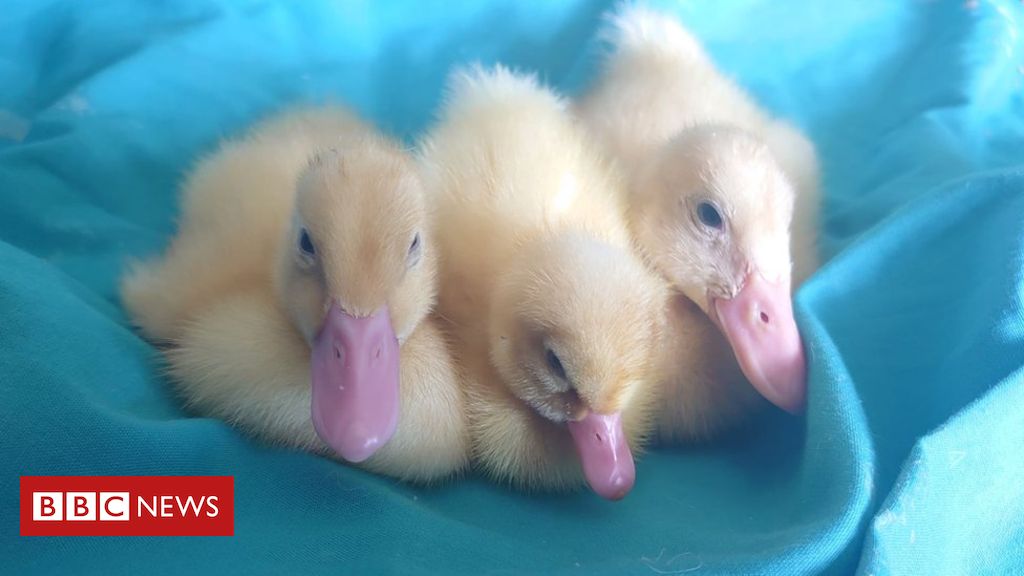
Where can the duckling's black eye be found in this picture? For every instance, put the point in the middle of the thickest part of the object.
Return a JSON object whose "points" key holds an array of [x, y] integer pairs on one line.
{"points": [[413, 258], [709, 216], [555, 364], [306, 244]]}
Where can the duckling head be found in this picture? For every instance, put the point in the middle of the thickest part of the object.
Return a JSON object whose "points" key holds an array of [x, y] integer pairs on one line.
{"points": [[355, 276], [572, 332], [714, 218]]}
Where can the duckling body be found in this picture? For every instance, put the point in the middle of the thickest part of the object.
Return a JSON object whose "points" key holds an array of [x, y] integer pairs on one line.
{"points": [[240, 308], [722, 198], [223, 368], [701, 389], [554, 316]]}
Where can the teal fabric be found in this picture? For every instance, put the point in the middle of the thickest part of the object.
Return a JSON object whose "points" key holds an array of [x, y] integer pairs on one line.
{"points": [[907, 462]]}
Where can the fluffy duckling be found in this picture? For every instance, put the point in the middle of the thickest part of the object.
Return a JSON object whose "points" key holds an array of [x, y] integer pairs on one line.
{"points": [[294, 301], [555, 317], [712, 185]]}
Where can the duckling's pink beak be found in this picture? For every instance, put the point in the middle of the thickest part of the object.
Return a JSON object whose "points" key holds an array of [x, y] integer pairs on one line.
{"points": [[604, 453], [355, 382], [760, 327]]}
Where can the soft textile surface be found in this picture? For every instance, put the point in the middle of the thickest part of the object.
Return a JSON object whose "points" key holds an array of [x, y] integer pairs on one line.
{"points": [[907, 462]]}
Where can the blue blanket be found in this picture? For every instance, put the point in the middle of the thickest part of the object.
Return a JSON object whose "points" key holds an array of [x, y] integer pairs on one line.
{"points": [[907, 462]]}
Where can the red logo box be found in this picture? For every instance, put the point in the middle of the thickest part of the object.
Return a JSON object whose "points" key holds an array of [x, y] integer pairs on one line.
{"points": [[127, 506]]}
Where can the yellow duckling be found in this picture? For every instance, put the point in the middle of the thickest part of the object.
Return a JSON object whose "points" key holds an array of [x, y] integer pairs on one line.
{"points": [[294, 301], [555, 318], [715, 189]]}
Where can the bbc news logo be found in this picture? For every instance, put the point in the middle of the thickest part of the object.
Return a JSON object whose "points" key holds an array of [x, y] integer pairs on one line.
{"points": [[127, 506]]}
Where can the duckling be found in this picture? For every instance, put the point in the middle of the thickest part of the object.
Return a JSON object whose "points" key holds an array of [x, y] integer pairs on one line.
{"points": [[715, 187], [554, 315], [294, 302]]}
